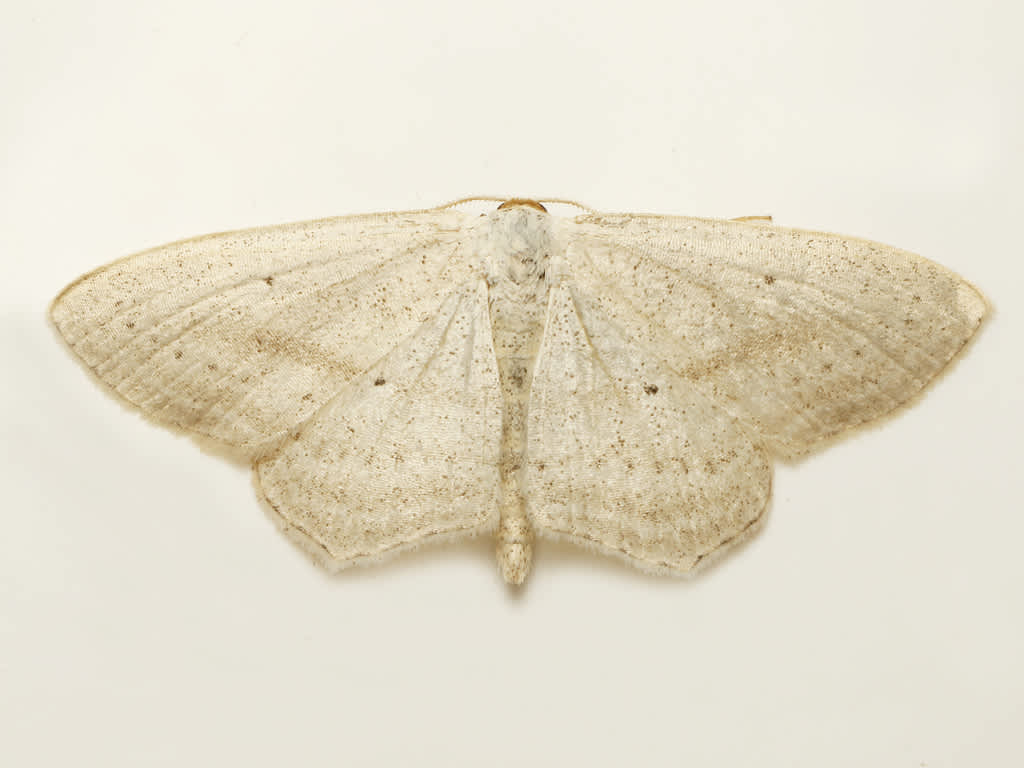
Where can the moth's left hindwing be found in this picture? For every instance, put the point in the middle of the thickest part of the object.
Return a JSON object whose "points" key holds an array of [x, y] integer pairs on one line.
{"points": [[408, 451]]}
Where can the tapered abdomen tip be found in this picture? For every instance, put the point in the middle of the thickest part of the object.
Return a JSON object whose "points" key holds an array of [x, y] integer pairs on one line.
{"points": [[514, 559]]}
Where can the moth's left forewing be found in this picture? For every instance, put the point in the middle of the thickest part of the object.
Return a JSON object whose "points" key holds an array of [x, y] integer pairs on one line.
{"points": [[239, 336], [800, 335]]}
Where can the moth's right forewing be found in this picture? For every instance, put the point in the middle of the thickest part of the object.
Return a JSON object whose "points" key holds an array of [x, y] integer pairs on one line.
{"points": [[239, 336], [801, 335]]}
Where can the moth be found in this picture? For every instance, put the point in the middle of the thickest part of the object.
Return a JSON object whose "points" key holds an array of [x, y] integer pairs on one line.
{"points": [[621, 381]]}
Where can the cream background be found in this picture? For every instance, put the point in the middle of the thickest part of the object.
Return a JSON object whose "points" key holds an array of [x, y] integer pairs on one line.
{"points": [[151, 615]]}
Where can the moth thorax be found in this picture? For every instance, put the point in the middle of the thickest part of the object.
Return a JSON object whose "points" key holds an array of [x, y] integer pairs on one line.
{"points": [[516, 244]]}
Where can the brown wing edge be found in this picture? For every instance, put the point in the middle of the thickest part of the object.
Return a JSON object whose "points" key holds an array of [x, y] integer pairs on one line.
{"points": [[322, 558], [697, 566]]}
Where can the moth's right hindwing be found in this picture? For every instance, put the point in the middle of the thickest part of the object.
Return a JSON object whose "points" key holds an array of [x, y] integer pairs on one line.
{"points": [[626, 456]]}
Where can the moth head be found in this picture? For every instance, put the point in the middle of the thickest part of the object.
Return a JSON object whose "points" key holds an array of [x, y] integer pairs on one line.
{"points": [[515, 201]]}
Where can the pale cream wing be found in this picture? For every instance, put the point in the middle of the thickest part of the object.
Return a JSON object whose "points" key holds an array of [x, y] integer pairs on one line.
{"points": [[239, 336], [625, 455], [408, 450], [798, 334]]}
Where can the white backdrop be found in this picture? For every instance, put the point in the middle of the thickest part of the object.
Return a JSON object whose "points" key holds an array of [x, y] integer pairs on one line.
{"points": [[150, 614]]}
